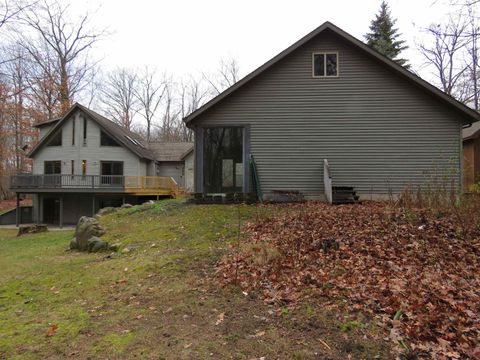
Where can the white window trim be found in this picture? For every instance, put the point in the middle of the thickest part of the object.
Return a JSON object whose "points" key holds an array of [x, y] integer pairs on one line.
{"points": [[325, 64]]}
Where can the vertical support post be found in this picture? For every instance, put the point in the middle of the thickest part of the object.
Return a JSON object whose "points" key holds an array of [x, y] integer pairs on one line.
{"points": [[39, 201], [123, 200], [246, 159], [61, 212], [198, 160], [93, 205], [18, 219]]}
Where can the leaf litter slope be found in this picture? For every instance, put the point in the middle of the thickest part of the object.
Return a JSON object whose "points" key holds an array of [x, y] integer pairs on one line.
{"points": [[413, 268]]}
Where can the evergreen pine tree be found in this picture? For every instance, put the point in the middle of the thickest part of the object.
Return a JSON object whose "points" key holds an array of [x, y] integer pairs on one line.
{"points": [[383, 36]]}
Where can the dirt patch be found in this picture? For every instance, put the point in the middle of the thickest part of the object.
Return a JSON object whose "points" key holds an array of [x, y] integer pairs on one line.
{"points": [[202, 321]]}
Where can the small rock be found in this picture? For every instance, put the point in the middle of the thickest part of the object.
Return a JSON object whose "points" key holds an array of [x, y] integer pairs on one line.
{"points": [[114, 247], [126, 206], [106, 210], [126, 250]]}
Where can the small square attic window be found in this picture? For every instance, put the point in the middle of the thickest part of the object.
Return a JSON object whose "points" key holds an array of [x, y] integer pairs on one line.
{"points": [[325, 64]]}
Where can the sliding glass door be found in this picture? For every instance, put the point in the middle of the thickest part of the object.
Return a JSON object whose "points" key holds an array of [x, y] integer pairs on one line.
{"points": [[223, 160], [112, 173]]}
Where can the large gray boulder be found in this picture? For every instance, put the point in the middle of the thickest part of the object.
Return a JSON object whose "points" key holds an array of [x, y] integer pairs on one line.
{"points": [[86, 237]]}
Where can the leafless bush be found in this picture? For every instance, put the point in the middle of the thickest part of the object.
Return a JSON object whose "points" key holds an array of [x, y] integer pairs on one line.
{"points": [[463, 209]]}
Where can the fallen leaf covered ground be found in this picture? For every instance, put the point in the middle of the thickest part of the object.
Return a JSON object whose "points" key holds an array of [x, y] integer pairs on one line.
{"points": [[416, 270]]}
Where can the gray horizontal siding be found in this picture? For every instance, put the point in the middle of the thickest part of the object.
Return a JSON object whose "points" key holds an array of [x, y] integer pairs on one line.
{"points": [[377, 130], [172, 169]]}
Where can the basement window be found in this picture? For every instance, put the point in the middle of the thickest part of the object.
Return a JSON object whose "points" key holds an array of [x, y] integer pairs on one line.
{"points": [[325, 64]]}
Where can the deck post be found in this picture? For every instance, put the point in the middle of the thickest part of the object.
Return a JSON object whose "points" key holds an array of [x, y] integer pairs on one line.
{"points": [[18, 215], [123, 200], [61, 212], [38, 208], [93, 205]]}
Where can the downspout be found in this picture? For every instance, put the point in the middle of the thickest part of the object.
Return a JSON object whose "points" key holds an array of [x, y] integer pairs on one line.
{"points": [[461, 157]]}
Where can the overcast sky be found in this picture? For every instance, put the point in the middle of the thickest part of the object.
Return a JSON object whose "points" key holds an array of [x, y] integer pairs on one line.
{"points": [[184, 36]]}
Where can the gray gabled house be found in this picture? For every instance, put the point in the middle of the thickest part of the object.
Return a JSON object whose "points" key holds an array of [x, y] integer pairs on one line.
{"points": [[84, 162], [328, 112]]}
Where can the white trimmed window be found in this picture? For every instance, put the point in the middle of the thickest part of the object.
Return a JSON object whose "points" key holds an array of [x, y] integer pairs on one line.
{"points": [[325, 64]]}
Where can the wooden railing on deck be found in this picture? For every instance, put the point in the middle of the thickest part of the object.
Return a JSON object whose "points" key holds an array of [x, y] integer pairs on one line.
{"points": [[135, 183]]}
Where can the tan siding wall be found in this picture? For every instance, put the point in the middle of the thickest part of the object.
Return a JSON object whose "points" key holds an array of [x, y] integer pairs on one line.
{"points": [[377, 130]]}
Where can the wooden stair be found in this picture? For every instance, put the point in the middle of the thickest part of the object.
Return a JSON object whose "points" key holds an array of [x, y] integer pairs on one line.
{"points": [[344, 195]]}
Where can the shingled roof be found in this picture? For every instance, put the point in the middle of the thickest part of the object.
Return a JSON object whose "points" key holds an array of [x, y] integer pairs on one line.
{"points": [[47, 122], [472, 132], [170, 151]]}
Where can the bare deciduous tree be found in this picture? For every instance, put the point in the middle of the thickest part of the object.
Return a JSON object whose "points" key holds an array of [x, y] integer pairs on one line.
{"points": [[193, 94], [10, 10], [453, 51], [443, 51], [66, 42], [118, 96], [149, 93], [226, 75], [170, 114]]}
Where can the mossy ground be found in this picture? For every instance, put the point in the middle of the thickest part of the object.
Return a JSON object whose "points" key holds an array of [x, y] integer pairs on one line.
{"points": [[160, 300]]}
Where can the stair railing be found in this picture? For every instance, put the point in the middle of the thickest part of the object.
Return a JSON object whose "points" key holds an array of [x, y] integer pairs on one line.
{"points": [[327, 181]]}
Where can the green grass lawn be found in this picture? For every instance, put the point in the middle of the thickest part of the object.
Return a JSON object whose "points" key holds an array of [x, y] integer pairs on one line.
{"points": [[158, 299]]}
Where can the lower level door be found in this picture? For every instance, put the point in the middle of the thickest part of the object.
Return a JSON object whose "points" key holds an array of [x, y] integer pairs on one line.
{"points": [[51, 210]]}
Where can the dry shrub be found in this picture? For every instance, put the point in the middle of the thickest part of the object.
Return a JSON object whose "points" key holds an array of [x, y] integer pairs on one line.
{"points": [[439, 196]]}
